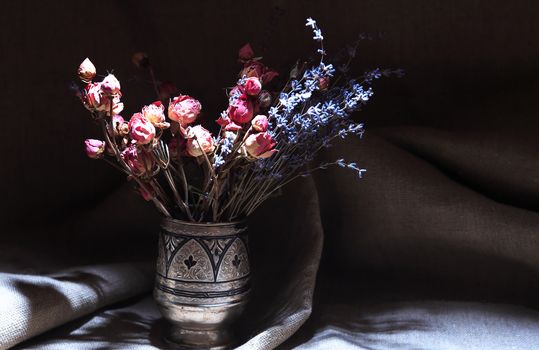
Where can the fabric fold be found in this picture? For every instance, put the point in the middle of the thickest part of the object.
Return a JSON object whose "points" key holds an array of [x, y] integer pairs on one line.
{"points": [[34, 304], [287, 251]]}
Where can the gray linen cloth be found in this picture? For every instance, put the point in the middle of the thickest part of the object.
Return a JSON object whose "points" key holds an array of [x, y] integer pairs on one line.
{"points": [[419, 325], [32, 304], [285, 265]]}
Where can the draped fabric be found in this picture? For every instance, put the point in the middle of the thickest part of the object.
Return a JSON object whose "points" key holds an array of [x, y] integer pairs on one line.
{"points": [[435, 248]]}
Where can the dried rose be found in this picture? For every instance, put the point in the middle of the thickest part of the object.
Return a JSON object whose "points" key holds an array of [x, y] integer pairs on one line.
{"points": [[241, 110], [155, 113], [199, 141], [268, 76], [252, 86], [86, 71], [94, 148], [117, 106], [253, 69], [246, 52], [140, 129], [260, 123], [233, 127], [95, 100], [184, 109], [110, 85], [260, 145], [323, 83], [264, 99], [140, 60], [258, 70], [139, 161], [119, 126], [93, 96], [225, 122]]}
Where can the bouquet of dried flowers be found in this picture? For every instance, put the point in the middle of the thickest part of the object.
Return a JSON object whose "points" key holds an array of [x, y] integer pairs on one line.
{"points": [[266, 138]]}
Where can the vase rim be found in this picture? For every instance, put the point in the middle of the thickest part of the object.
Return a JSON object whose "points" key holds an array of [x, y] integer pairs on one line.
{"points": [[201, 224]]}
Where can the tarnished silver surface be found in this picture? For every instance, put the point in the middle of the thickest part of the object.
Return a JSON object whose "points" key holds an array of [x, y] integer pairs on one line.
{"points": [[202, 281]]}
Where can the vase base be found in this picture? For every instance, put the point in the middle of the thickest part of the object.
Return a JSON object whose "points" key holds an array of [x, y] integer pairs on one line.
{"points": [[187, 339]]}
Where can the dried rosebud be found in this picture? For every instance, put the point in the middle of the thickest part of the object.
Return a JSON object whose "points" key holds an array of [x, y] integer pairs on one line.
{"points": [[139, 161], [252, 86], [223, 120], [155, 113], [264, 99], [323, 83], [246, 52], [227, 124], [184, 110], [140, 60], [258, 70], [86, 71], [268, 76], [260, 145], [117, 106], [260, 123], [241, 110], [94, 148], [233, 127], [110, 85], [119, 126], [140, 129], [93, 99], [199, 141], [253, 69], [166, 90]]}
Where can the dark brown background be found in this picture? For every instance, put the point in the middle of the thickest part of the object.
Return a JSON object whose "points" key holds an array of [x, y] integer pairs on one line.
{"points": [[452, 191]]}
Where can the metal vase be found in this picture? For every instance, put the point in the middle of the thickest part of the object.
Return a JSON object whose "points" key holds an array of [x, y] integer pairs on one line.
{"points": [[202, 281]]}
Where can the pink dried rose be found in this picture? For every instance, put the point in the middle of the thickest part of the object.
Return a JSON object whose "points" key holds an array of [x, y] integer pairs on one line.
{"points": [[110, 85], [95, 100], [140, 129], [119, 126], [268, 76], [225, 122], [246, 52], [86, 71], [252, 86], [260, 123], [94, 148], [199, 141], [241, 110], [184, 109], [260, 145], [117, 106], [233, 127], [138, 160], [323, 83], [155, 114]]}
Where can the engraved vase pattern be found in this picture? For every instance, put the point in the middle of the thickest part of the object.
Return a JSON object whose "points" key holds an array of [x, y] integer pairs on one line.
{"points": [[202, 281]]}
